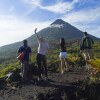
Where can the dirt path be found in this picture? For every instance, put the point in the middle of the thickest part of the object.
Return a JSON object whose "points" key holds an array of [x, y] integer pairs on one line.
{"points": [[33, 90]]}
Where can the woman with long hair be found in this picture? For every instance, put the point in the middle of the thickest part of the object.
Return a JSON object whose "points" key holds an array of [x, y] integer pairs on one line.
{"points": [[63, 56]]}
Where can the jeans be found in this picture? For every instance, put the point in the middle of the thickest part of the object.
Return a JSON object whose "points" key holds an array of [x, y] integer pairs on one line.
{"points": [[25, 70], [42, 65]]}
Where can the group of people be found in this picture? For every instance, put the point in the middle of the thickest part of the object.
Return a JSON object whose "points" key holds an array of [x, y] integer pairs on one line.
{"points": [[43, 47], [40, 58]]}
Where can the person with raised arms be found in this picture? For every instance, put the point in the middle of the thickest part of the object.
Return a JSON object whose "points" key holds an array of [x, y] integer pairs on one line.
{"points": [[41, 56]]}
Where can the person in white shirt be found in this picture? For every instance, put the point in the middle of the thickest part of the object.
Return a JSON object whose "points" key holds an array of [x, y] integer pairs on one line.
{"points": [[41, 56]]}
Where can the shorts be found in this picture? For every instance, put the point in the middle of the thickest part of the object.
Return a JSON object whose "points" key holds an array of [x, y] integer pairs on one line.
{"points": [[63, 55]]}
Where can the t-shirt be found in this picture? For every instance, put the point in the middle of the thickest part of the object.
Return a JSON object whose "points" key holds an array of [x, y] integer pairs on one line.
{"points": [[43, 47], [27, 51]]}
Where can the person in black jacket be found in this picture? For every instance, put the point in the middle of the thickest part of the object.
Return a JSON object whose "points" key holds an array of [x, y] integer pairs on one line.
{"points": [[86, 46]]}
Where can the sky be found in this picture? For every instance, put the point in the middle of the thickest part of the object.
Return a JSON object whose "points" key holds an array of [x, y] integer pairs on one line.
{"points": [[19, 18]]}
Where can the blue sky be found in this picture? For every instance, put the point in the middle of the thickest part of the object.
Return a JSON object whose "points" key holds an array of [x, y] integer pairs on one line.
{"points": [[18, 18]]}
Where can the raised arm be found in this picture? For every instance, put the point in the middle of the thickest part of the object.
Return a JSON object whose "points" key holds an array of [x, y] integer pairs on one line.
{"points": [[36, 33]]}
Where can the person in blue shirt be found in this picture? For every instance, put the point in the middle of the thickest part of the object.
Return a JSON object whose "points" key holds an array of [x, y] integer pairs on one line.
{"points": [[25, 61]]}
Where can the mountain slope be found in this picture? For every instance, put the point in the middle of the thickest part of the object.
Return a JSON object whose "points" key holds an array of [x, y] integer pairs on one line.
{"points": [[53, 32], [60, 28]]}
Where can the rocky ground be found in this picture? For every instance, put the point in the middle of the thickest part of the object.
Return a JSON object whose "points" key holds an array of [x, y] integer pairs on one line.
{"points": [[57, 87], [72, 85]]}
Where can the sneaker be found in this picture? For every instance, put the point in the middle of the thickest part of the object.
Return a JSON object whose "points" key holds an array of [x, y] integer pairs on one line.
{"points": [[21, 74], [38, 79]]}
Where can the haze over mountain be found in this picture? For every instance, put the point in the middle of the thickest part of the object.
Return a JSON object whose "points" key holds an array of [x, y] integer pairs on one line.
{"points": [[53, 32]]}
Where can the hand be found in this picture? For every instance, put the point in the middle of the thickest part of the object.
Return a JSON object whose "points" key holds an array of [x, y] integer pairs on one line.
{"points": [[35, 30]]}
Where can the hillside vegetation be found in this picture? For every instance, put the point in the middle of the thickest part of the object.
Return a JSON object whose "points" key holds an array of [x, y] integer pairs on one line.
{"points": [[76, 84], [74, 57]]}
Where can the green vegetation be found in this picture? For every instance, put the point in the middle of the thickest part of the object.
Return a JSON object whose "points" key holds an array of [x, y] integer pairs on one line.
{"points": [[9, 64]]}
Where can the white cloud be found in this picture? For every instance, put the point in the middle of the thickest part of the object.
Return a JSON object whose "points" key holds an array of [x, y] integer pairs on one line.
{"points": [[13, 30], [87, 15], [32, 5], [59, 7], [95, 31], [85, 20], [33, 2], [91, 29]]}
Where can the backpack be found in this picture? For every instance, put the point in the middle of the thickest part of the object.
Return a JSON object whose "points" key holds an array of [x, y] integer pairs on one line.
{"points": [[86, 43]]}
